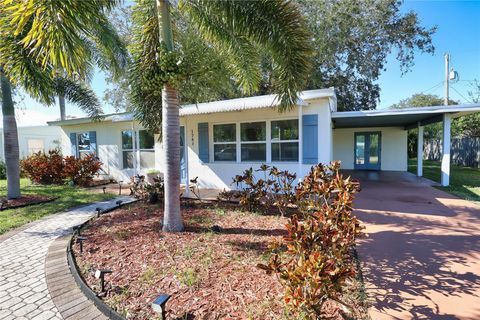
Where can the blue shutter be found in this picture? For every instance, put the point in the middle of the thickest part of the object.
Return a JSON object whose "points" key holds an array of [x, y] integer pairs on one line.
{"points": [[73, 143], [203, 150], [310, 139], [93, 142]]}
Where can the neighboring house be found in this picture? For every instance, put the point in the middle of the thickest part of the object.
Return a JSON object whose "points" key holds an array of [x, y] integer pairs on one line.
{"points": [[33, 139], [223, 138]]}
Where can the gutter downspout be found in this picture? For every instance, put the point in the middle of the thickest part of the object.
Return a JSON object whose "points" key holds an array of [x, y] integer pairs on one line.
{"points": [[185, 154]]}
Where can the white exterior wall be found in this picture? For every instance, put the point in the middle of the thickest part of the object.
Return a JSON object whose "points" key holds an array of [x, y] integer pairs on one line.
{"points": [[219, 175], [51, 137], [216, 175], [109, 146], [394, 155]]}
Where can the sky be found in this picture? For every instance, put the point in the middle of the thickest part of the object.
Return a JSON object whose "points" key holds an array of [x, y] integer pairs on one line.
{"points": [[458, 34]]}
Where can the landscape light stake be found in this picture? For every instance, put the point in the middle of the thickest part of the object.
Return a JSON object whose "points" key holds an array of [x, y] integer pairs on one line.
{"points": [[100, 274], [120, 187], [159, 305], [99, 211], [80, 242], [104, 190], [76, 230], [119, 202]]}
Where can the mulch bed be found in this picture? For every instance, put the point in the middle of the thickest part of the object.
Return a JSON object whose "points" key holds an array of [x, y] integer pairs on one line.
{"points": [[210, 275], [26, 200]]}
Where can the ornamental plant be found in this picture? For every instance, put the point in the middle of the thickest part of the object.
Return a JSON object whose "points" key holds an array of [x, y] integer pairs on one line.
{"points": [[274, 190], [52, 168], [317, 262]]}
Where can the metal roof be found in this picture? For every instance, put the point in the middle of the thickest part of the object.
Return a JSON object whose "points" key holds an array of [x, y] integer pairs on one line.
{"points": [[256, 102], [407, 118]]}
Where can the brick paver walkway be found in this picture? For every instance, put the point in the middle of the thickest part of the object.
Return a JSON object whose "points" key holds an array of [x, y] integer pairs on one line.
{"points": [[23, 288]]}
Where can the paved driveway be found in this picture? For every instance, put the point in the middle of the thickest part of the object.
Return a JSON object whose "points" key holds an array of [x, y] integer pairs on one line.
{"points": [[422, 256]]}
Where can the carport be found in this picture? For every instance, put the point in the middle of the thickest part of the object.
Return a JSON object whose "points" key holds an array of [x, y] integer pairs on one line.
{"points": [[410, 118]]}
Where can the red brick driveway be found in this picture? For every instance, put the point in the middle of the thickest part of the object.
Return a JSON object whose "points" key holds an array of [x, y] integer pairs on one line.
{"points": [[421, 259]]}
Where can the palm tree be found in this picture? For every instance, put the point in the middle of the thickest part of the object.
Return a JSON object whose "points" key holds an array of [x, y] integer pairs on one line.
{"points": [[41, 39], [241, 30]]}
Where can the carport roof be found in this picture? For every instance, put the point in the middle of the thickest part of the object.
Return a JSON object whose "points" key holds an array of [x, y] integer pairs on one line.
{"points": [[407, 118]]}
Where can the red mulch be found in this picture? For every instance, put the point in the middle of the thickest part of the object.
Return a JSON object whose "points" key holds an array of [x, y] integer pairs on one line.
{"points": [[209, 275], [26, 200]]}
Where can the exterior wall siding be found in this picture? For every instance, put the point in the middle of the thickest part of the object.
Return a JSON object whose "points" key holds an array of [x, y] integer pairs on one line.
{"points": [[394, 155]]}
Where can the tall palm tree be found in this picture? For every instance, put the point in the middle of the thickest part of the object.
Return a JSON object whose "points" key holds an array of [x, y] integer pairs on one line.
{"points": [[41, 39], [241, 30]]}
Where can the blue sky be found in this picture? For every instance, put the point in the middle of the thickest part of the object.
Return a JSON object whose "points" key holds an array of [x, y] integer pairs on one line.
{"points": [[458, 33]]}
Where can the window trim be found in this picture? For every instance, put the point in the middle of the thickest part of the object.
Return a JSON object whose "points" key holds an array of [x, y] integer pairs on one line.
{"points": [[286, 141], [268, 140], [235, 142]]}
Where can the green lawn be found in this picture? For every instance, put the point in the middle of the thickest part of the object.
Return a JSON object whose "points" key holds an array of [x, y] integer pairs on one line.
{"points": [[68, 197], [464, 182]]}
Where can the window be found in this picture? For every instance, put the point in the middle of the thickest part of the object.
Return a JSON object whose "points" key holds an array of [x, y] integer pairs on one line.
{"points": [[127, 149], [146, 142], [225, 142], [144, 148], [284, 138], [253, 141], [35, 145], [84, 145]]}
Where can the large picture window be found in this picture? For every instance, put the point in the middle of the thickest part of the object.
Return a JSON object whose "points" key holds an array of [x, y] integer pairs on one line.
{"points": [[253, 141], [284, 139], [138, 145], [225, 142]]}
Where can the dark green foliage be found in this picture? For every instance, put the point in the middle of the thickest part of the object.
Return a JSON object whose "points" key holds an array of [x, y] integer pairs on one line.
{"points": [[3, 170]]}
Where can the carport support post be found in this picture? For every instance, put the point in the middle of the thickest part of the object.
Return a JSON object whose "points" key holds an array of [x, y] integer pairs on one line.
{"points": [[447, 121], [420, 151]]}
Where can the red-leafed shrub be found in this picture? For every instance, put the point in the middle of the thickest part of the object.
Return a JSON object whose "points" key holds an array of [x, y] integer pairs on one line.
{"points": [[81, 171], [52, 168], [44, 168], [318, 260]]}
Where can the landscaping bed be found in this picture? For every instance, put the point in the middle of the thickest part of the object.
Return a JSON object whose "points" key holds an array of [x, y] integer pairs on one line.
{"points": [[210, 269], [24, 201]]}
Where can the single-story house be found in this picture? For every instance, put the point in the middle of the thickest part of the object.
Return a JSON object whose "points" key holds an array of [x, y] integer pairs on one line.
{"points": [[220, 139], [33, 139]]}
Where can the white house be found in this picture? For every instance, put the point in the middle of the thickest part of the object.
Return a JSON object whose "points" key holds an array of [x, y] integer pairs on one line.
{"points": [[221, 139], [33, 139]]}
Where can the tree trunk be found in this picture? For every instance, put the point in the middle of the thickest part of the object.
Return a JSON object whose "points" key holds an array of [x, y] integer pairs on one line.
{"points": [[10, 139], [61, 103], [172, 217]]}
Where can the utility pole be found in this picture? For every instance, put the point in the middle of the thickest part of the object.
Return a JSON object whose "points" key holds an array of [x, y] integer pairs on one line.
{"points": [[447, 60]]}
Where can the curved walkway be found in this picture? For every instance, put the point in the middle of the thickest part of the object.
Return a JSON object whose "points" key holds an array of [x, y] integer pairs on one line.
{"points": [[23, 287], [421, 259]]}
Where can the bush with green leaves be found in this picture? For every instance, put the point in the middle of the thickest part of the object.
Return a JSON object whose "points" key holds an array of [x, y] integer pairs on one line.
{"points": [[3, 170], [317, 262]]}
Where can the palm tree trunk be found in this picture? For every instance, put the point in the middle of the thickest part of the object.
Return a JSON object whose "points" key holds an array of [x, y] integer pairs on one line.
{"points": [[172, 217], [61, 103], [10, 139]]}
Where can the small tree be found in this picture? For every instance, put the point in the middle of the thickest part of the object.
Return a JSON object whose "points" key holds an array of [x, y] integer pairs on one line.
{"points": [[318, 260]]}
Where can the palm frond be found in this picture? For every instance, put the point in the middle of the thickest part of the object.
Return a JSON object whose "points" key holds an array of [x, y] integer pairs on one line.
{"points": [[81, 95], [275, 25]]}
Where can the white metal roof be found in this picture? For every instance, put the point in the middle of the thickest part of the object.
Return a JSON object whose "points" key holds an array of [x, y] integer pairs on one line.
{"points": [[256, 102]]}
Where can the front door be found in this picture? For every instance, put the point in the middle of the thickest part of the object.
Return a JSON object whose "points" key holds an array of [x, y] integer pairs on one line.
{"points": [[367, 150]]}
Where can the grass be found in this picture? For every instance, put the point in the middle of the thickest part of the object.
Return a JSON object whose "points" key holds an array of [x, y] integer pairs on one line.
{"points": [[68, 197], [464, 181]]}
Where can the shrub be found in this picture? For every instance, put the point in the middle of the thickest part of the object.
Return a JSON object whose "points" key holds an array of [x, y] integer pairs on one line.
{"points": [[318, 261], [81, 170], [52, 168], [143, 190], [3, 170], [44, 168], [275, 189]]}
